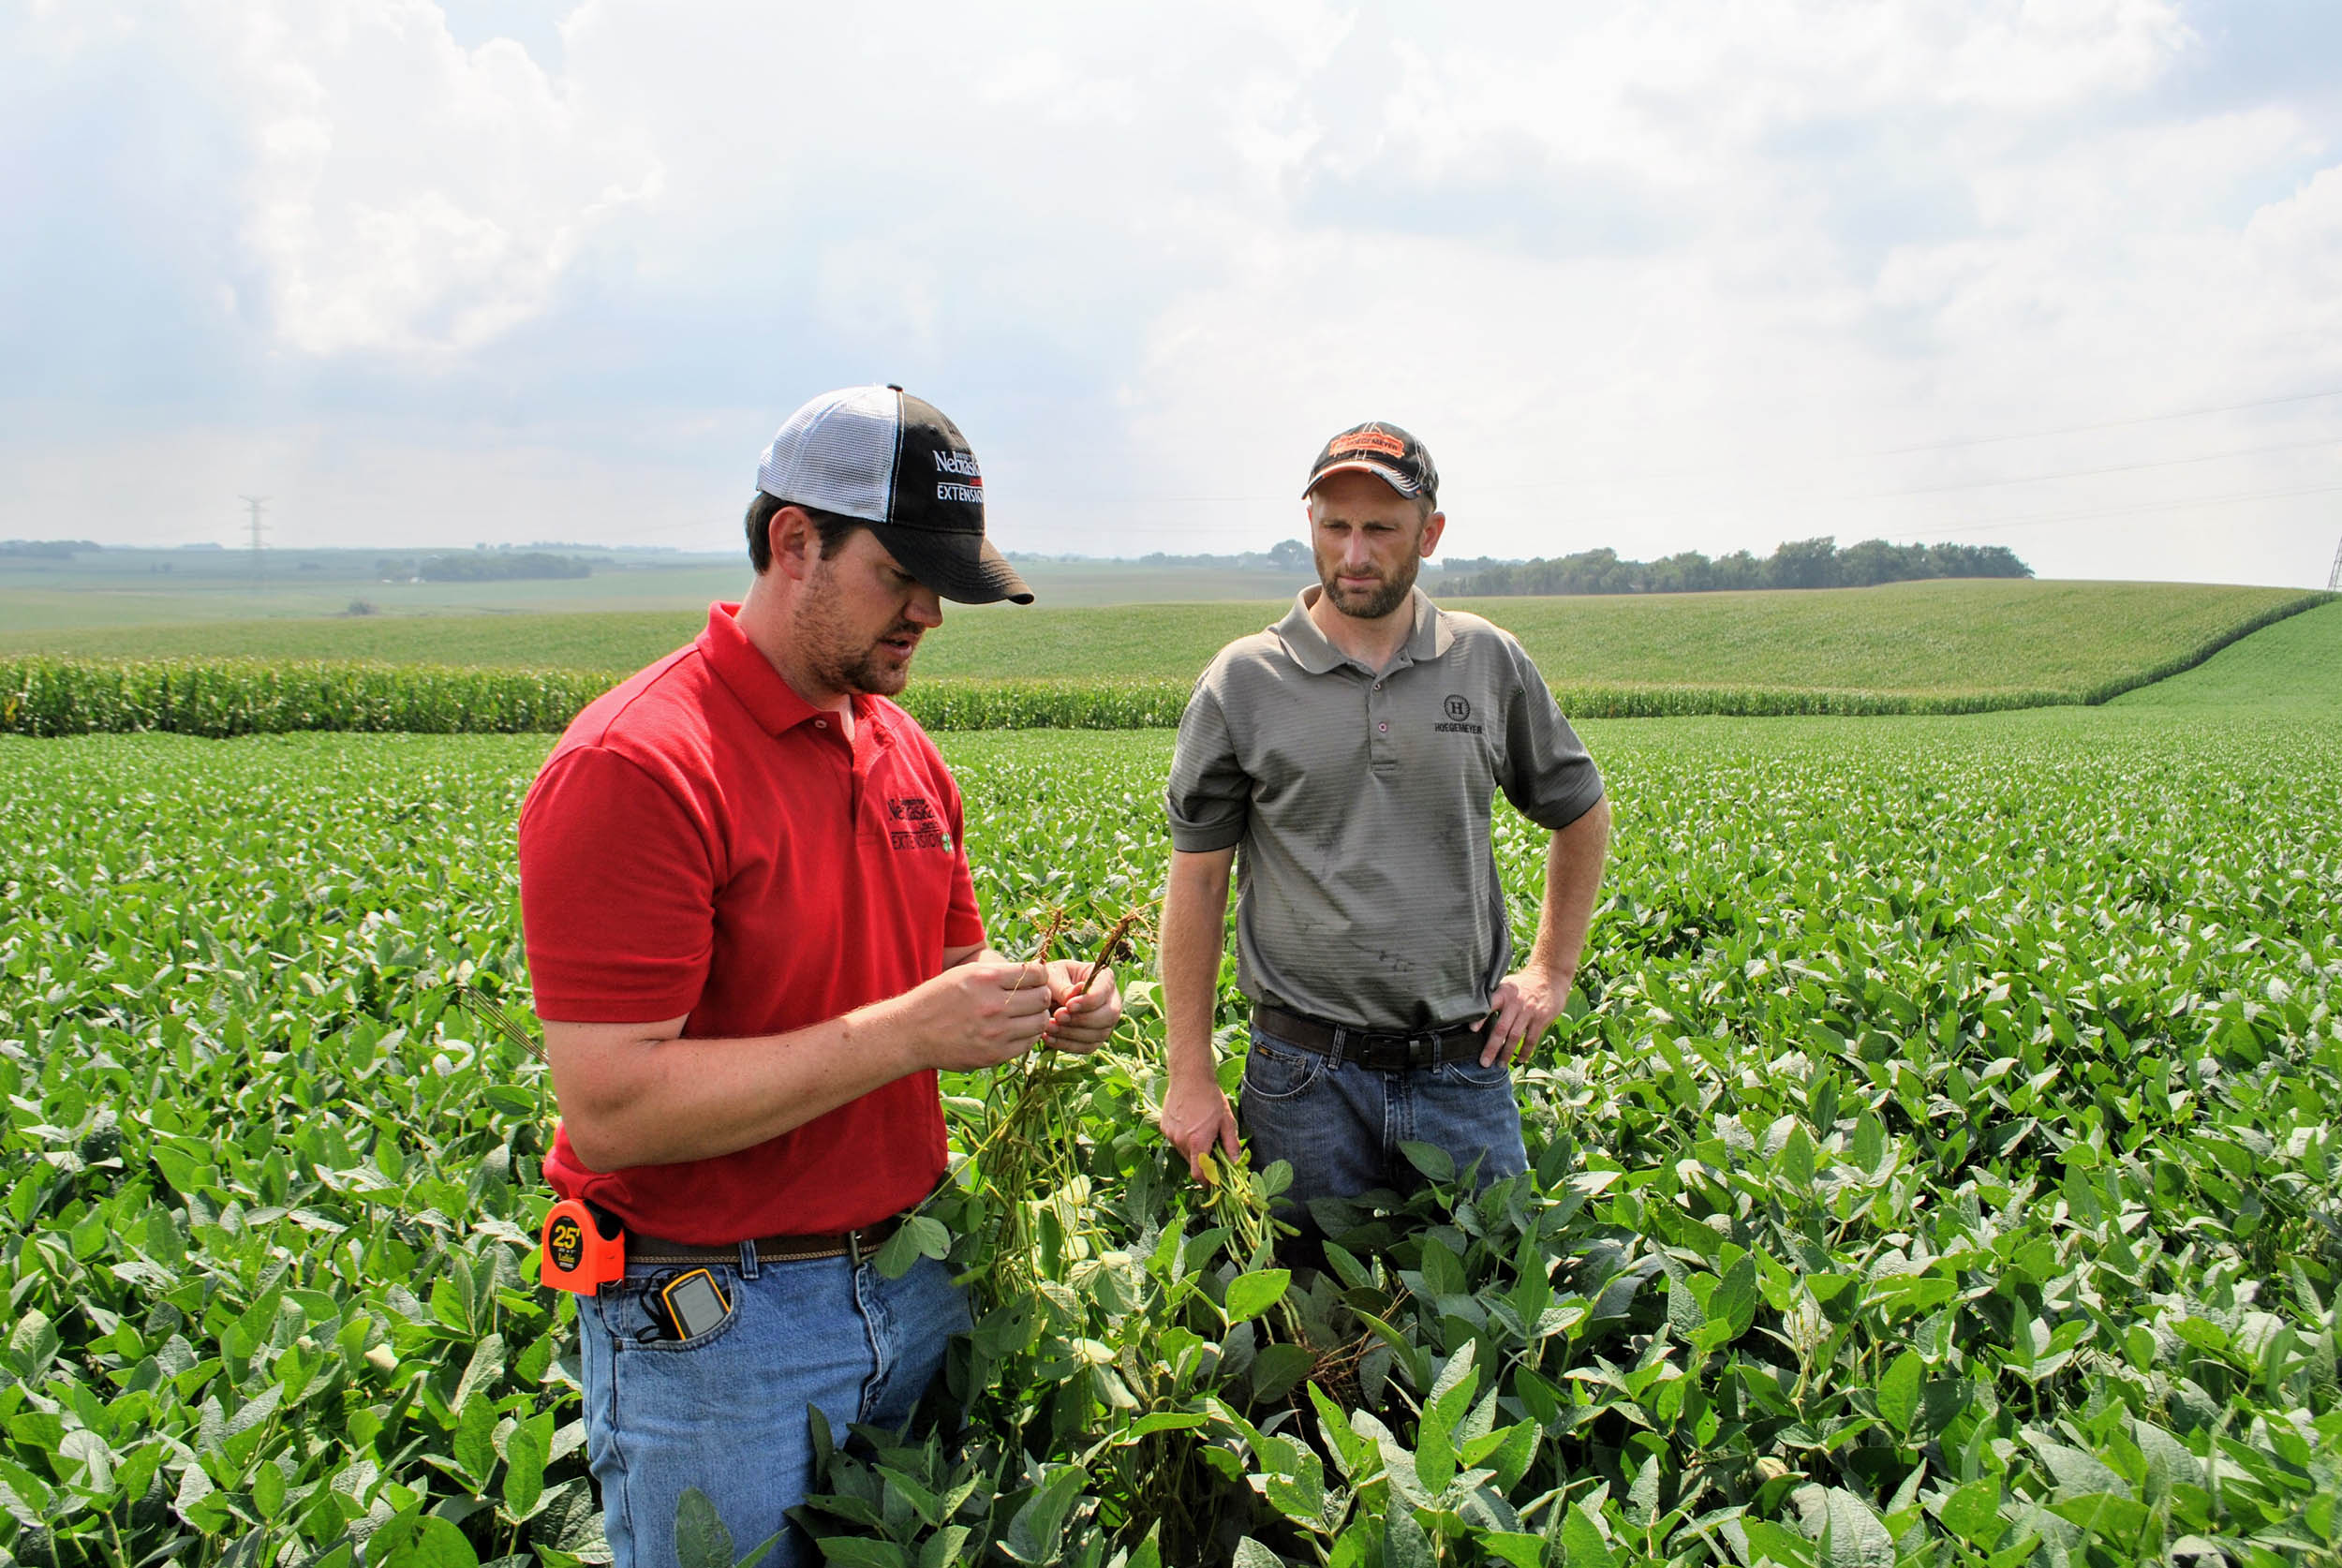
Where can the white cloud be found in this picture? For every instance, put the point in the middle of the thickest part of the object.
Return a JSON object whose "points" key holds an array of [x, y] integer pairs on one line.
{"points": [[408, 195], [1655, 275]]}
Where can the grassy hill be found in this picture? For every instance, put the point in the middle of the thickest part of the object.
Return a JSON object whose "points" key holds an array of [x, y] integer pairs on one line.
{"points": [[1999, 643], [2292, 668]]}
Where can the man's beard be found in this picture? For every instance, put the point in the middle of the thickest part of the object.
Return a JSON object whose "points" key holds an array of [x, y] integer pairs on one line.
{"points": [[838, 660], [1379, 600]]}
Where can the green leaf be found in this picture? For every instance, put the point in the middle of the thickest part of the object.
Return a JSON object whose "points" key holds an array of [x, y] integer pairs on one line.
{"points": [[898, 1253], [475, 1443], [1432, 1159], [1252, 1554], [1442, 1271], [1277, 1368], [1521, 1551], [701, 1540], [524, 1455], [1972, 1513], [1851, 1535], [1301, 1493], [435, 1543], [1434, 1454], [859, 1551], [1034, 1534], [1734, 1299], [1251, 1294], [482, 1371], [1583, 1544], [2119, 1518], [1404, 1544], [1899, 1391]]}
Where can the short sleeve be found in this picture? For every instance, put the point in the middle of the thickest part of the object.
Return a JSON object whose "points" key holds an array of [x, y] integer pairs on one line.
{"points": [[617, 893], [963, 921], [1209, 797], [1546, 771]]}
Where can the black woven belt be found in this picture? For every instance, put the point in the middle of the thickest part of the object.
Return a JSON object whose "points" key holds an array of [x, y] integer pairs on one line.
{"points": [[770, 1249], [1376, 1052]]}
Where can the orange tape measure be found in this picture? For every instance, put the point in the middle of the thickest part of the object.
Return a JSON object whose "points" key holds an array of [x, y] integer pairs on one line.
{"points": [[583, 1248]]}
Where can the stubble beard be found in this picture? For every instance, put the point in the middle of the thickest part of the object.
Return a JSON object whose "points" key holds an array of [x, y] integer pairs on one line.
{"points": [[1389, 594], [838, 660]]}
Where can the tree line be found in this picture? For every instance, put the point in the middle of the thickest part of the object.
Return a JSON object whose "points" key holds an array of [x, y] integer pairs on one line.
{"points": [[1806, 563]]}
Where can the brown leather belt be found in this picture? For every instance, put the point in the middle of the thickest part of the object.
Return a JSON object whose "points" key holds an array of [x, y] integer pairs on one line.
{"points": [[860, 1244], [1376, 1051]]}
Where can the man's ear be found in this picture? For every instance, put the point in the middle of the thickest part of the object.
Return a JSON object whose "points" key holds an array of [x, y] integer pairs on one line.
{"points": [[796, 542], [1433, 526]]}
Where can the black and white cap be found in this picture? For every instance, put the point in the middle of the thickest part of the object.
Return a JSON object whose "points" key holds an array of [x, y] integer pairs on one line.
{"points": [[893, 461]]}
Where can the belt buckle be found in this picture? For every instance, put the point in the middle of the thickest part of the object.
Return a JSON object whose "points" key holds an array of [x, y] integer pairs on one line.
{"points": [[1423, 1050]]}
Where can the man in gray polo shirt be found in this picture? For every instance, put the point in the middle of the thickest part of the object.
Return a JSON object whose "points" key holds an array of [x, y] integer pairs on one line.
{"points": [[1351, 753]]}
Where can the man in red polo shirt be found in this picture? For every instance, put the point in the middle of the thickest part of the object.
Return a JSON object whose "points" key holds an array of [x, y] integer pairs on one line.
{"points": [[754, 942]]}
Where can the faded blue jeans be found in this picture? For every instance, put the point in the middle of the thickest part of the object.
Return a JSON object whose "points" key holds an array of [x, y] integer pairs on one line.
{"points": [[1339, 1125], [725, 1412]]}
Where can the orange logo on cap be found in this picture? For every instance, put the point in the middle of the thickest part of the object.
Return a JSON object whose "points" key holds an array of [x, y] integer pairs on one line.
{"points": [[1370, 440]]}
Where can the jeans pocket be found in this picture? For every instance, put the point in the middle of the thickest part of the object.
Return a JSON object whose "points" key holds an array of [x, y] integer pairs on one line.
{"points": [[629, 1314], [1274, 1071], [1469, 1074]]}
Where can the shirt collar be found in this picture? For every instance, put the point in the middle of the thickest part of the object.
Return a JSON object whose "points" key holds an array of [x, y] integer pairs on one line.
{"points": [[1309, 647], [771, 700]]}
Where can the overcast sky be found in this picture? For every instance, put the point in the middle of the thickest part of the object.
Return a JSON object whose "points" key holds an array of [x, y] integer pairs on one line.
{"points": [[2064, 275]]}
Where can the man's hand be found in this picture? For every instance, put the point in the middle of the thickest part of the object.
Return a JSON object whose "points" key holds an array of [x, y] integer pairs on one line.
{"points": [[979, 1014], [1195, 1117], [1084, 1006], [1524, 1005]]}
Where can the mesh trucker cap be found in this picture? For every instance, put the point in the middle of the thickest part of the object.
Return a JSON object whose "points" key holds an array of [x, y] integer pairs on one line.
{"points": [[1385, 451], [886, 458]]}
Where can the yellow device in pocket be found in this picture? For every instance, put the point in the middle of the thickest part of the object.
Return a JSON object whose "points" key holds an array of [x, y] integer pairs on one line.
{"points": [[694, 1303]]}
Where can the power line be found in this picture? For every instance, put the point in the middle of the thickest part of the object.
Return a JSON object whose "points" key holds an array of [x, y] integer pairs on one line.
{"points": [[2109, 425], [2034, 519], [2092, 473]]}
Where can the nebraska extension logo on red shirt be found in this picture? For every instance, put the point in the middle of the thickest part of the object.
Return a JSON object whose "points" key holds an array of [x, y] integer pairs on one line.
{"points": [[919, 825]]}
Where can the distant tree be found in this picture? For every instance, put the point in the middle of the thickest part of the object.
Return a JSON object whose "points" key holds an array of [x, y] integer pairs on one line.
{"points": [[1289, 554], [1809, 563], [48, 548], [496, 566], [1874, 561], [1804, 563]]}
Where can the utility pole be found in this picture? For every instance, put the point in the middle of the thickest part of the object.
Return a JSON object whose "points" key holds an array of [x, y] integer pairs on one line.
{"points": [[2333, 577], [255, 503]]}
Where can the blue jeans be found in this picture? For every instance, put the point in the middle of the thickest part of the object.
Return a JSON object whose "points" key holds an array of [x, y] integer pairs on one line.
{"points": [[725, 1412], [1339, 1125]]}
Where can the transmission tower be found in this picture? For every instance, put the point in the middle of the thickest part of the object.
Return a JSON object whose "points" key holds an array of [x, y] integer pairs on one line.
{"points": [[2333, 577], [259, 527]]}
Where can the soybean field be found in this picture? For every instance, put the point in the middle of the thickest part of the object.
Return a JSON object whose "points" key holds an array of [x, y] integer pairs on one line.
{"points": [[1937, 1164]]}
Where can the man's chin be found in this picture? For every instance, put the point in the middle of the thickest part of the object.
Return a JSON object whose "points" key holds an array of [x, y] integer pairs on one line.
{"points": [[1367, 604], [874, 677]]}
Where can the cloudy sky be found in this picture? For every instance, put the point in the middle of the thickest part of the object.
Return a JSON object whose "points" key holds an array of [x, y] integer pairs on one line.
{"points": [[2065, 275]]}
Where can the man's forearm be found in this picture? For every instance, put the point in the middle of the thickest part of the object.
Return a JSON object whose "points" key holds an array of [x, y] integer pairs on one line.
{"points": [[1573, 876], [650, 1096], [1194, 936], [644, 1094]]}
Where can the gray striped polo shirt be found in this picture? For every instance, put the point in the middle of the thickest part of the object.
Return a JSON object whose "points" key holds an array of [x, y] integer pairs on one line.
{"points": [[1358, 803]]}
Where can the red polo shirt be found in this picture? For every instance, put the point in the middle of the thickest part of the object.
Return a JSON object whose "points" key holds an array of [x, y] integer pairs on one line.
{"points": [[703, 842]]}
